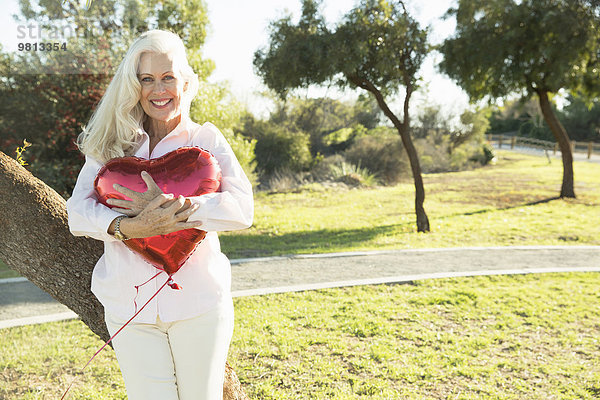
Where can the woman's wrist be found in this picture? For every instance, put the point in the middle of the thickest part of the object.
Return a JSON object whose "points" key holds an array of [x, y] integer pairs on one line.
{"points": [[126, 227], [116, 228]]}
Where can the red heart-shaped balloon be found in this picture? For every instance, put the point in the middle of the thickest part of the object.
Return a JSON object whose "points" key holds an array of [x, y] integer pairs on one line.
{"points": [[187, 171]]}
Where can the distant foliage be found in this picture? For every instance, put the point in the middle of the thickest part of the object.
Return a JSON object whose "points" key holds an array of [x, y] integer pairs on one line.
{"points": [[49, 97], [279, 148], [300, 132], [580, 117], [381, 155], [447, 145], [50, 110]]}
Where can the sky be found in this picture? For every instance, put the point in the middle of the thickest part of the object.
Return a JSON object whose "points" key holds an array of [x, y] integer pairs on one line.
{"points": [[240, 27]]}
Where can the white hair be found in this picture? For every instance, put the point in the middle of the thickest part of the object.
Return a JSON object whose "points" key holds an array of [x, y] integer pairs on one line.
{"points": [[112, 129]]}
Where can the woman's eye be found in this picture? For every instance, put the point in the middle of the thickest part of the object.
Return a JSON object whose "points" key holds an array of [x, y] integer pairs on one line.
{"points": [[169, 78], [147, 79]]}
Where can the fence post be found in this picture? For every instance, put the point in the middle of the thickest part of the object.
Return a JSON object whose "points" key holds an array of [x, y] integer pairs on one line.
{"points": [[500, 141], [555, 148], [573, 144], [590, 149], [513, 140]]}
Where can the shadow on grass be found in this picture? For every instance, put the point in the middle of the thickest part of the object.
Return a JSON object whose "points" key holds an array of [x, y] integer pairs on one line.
{"points": [[327, 240], [319, 241], [486, 210]]}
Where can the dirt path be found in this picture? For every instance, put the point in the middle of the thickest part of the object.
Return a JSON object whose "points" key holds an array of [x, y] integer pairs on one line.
{"points": [[22, 302]]}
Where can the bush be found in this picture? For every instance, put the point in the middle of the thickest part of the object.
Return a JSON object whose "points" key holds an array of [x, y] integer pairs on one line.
{"points": [[433, 157], [353, 175], [244, 152], [278, 148], [382, 155], [324, 169]]}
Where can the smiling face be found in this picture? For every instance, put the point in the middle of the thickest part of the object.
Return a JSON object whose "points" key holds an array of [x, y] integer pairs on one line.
{"points": [[162, 88]]}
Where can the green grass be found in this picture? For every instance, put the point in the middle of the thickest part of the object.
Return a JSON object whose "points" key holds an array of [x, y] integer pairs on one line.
{"points": [[510, 203], [500, 337]]}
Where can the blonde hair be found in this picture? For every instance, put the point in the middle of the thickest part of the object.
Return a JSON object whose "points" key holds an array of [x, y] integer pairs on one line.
{"points": [[112, 129]]}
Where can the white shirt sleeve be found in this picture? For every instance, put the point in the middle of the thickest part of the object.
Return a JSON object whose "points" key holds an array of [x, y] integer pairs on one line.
{"points": [[87, 217], [232, 207]]}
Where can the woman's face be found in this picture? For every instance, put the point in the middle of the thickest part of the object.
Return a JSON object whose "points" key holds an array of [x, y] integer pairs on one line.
{"points": [[162, 87]]}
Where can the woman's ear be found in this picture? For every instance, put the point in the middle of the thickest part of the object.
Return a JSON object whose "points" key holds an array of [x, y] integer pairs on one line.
{"points": [[185, 86]]}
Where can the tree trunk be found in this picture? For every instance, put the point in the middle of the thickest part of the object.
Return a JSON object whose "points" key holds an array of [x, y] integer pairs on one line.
{"points": [[35, 241], [564, 144], [404, 131]]}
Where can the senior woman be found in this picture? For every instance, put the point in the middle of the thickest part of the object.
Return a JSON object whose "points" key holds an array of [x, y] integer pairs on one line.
{"points": [[176, 348]]}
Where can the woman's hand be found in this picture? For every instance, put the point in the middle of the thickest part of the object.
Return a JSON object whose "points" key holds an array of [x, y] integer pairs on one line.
{"points": [[140, 200], [155, 219]]}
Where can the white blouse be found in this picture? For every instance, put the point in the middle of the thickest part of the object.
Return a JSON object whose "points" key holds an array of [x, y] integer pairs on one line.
{"points": [[205, 278]]}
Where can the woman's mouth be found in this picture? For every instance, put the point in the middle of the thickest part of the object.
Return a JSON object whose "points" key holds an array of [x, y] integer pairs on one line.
{"points": [[160, 103]]}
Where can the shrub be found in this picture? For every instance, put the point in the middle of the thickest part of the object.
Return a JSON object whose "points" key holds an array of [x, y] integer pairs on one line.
{"points": [[353, 175], [433, 157], [278, 148], [284, 179], [382, 155], [324, 169], [244, 152]]}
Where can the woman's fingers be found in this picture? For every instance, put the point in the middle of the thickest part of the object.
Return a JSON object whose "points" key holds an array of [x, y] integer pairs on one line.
{"points": [[187, 225], [120, 203], [129, 213], [152, 186], [185, 214], [132, 194], [176, 206], [159, 200]]}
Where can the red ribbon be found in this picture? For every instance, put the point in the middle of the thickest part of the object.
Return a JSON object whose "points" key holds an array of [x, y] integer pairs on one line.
{"points": [[169, 282]]}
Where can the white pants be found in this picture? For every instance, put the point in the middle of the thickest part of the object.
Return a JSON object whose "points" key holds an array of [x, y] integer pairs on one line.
{"points": [[181, 360]]}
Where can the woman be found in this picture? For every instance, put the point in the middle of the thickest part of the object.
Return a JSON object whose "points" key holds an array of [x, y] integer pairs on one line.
{"points": [[177, 346]]}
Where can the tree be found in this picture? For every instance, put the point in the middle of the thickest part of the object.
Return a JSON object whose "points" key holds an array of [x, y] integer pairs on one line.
{"points": [[378, 47], [532, 47], [35, 241], [58, 90]]}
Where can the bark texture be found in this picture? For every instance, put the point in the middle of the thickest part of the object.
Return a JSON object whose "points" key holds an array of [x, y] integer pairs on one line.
{"points": [[562, 138], [35, 241], [403, 129]]}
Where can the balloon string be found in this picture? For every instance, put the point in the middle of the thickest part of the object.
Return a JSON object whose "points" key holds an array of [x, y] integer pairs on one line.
{"points": [[116, 333], [137, 289]]}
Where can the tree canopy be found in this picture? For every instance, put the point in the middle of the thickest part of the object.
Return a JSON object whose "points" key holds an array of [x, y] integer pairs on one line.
{"points": [[505, 46]]}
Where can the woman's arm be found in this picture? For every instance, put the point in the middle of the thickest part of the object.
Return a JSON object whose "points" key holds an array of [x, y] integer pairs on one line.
{"points": [[87, 217], [232, 207]]}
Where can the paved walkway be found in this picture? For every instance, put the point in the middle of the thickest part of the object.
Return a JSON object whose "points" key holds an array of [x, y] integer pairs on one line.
{"points": [[577, 156], [23, 303]]}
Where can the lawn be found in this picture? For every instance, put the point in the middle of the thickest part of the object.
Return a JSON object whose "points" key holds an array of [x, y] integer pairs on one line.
{"points": [[500, 337], [510, 203]]}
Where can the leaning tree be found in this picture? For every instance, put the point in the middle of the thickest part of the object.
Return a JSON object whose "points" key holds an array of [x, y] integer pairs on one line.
{"points": [[35, 241], [377, 47], [530, 47]]}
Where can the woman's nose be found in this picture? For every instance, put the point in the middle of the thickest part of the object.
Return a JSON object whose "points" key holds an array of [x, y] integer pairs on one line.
{"points": [[159, 86]]}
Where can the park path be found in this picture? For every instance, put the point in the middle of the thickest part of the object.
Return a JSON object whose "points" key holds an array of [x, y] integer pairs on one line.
{"points": [[22, 303], [577, 156]]}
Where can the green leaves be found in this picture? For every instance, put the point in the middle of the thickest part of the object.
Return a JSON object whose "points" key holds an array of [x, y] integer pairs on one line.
{"points": [[377, 41], [505, 46], [298, 55]]}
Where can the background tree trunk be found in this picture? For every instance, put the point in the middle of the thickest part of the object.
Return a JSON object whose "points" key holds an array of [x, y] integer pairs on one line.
{"points": [[402, 127], [35, 241], [564, 144]]}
